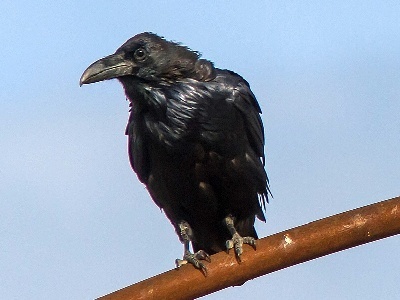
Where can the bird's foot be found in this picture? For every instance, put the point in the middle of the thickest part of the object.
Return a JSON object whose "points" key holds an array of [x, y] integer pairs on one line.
{"points": [[237, 243], [194, 259]]}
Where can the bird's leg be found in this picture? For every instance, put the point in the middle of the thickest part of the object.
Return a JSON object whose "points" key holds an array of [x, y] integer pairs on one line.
{"points": [[188, 257], [237, 241]]}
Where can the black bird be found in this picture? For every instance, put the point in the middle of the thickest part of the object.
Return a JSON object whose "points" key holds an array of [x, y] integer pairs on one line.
{"points": [[195, 139]]}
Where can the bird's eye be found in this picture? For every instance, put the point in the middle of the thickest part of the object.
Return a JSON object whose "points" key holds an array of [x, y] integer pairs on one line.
{"points": [[139, 54]]}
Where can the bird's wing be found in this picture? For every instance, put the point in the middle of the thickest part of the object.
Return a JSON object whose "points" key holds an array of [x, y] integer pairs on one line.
{"points": [[245, 101], [232, 99]]}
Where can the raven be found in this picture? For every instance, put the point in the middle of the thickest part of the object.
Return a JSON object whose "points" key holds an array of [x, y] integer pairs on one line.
{"points": [[195, 139]]}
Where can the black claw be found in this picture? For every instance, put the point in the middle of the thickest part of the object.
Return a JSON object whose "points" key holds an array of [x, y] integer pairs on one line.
{"points": [[202, 255], [203, 269]]}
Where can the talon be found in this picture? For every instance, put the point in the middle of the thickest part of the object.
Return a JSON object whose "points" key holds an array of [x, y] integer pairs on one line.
{"points": [[202, 255], [229, 245], [180, 262], [250, 241], [194, 259], [203, 269], [186, 234], [237, 241]]}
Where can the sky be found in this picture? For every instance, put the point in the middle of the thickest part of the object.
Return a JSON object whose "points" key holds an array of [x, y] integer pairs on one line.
{"points": [[75, 222]]}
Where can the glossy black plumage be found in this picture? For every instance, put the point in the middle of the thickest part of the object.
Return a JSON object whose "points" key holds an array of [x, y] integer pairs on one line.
{"points": [[195, 137]]}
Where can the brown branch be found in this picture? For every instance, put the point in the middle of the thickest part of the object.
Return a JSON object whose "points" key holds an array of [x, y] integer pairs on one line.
{"points": [[278, 251]]}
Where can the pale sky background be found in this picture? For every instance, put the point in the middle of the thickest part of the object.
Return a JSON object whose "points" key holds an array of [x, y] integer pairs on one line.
{"points": [[75, 223]]}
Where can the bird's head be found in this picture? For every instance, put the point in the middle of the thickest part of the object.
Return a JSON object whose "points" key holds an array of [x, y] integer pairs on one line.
{"points": [[149, 57]]}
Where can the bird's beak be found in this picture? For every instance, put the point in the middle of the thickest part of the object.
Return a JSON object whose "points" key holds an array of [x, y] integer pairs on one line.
{"points": [[109, 67]]}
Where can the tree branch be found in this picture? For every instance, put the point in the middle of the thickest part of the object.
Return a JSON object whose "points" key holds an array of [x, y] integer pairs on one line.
{"points": [[275, 252]]}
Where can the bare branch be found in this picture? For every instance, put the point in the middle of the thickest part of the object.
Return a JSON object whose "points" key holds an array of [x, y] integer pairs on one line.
{"points": [[281, 250]]}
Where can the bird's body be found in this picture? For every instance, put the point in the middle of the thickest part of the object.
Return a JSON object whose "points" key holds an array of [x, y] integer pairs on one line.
{"points": [[195, 138], [190, 146]]}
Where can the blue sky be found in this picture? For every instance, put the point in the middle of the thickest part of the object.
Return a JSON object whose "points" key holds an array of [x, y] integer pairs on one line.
{"points": [[75, 223]]}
